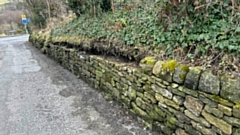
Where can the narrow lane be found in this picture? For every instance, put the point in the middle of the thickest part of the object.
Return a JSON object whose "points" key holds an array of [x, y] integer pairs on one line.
{"points": [[39, 97]]}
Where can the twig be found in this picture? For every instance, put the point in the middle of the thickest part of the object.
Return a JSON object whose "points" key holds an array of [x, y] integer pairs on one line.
{"points": [[216, 57], [188, 52]]}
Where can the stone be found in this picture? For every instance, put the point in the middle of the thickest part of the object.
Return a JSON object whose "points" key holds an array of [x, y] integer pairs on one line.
{"points": [[191, 130], [236, 111], [202, 129], [146, 64], [157, 68], [230, 89], [157, 126], [116, 93], [226, 110], [139, 111], [152, 79], [217, 99], [182, 118], [233, 121], [167, 70], [217, 130], [176, 91], [160, 84], [219, 123], [163, 101], [126, 101], [188, 91], [162, 91], [154, 115], [99, 74], [194, 105], [140, 103], [132, 94], [171, 103], [174, 85], [181, 132], [201, 120], [178, 100], [207, 101], [139, 94], [180, 73], [159, 111], [213, 111], [162, 105], [166, 83], [209, 83], [149, 97], [236, 131], [192, 78]]}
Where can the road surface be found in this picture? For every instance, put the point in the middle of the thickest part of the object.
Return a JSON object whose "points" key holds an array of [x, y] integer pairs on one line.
{"points": [[39, 97]]}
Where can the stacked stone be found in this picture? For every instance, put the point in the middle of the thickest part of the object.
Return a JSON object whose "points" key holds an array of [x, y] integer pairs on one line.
{"points": [[166, 96]]}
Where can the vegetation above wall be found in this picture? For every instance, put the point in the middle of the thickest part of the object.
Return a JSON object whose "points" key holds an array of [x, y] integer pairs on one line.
{"points": [[206, 34]]}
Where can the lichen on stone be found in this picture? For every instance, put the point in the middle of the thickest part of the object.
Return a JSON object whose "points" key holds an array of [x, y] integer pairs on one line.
{"points": [[168, 69], [147, 64], [169, 66], [180, 73]]}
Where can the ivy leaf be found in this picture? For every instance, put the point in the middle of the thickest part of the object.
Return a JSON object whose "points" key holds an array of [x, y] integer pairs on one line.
{"points": [[238, 29]]}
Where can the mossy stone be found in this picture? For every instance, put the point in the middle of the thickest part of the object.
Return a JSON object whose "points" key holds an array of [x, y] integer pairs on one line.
{"points": [[180, 73], [209, 83], [139, 111], [230, 89], [157, 68], [192, 78], [167, 70], [146, 64]]}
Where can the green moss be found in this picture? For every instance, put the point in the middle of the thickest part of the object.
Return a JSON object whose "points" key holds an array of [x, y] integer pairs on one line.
{"points": [[169, 66], [215, 97], [184, 70], [238, 105], [173, 120], [220, 100], [148, 61]]}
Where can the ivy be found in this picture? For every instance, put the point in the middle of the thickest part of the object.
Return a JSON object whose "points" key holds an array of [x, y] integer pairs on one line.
{"points": [[214, 28]]}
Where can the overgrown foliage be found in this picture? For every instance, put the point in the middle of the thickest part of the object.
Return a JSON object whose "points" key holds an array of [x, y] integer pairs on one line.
{"points": [[201, 31]]}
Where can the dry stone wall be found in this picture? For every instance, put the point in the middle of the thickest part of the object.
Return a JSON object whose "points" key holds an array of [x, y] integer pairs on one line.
{"points": [[166, 96]]}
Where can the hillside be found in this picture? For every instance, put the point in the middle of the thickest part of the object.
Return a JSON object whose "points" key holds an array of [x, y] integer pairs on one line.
{"points": [[207, 38]]}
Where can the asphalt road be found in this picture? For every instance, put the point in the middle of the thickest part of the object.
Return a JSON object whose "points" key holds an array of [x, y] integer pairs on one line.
{"points": [[39, 97]]}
